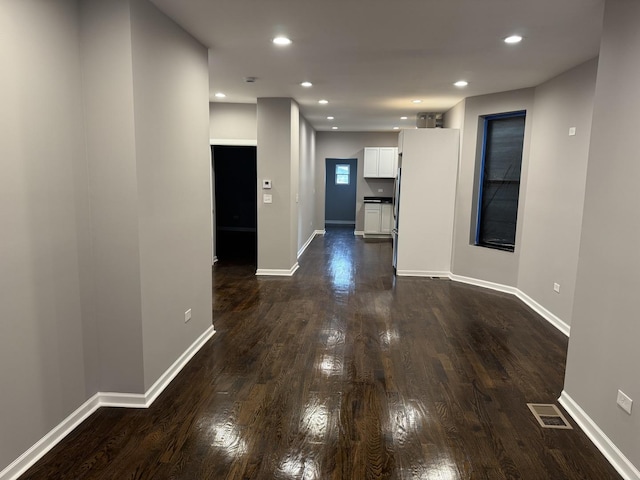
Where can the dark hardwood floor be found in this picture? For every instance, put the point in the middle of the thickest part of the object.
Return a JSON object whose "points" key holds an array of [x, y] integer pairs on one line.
{"points": [[345, 372]]}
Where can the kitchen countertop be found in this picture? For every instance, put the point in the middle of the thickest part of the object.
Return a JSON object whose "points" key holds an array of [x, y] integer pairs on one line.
{"points": [[378, 199]]}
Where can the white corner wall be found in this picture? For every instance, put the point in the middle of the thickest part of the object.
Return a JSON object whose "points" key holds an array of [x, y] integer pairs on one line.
{"points": [[173, 167], [307, 191], [556, 178], [603, 353], [44, 221], [233, 121]]}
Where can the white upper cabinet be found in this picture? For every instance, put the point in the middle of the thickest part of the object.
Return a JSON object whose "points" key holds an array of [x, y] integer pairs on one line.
{"points": [[380, 162], [387, 162]]}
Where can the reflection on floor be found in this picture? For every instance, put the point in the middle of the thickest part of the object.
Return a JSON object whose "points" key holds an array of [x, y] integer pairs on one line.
{"points": [[345, 372]]}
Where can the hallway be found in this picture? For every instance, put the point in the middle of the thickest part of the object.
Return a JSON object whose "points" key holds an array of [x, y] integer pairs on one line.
{"points": [[346, 372]]}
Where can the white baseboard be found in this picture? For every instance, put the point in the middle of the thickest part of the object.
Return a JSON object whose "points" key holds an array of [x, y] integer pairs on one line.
{"points": [[484, 284], [544, 313], [526, 299], [277, 272], [306, 244], [358, 233], [101, 399], [612, 453], [321, 232], [421, 273]]}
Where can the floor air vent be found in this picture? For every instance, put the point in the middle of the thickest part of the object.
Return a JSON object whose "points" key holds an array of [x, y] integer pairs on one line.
{"points": [[549, 416]]}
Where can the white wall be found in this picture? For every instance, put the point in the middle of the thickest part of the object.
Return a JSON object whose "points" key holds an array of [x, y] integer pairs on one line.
{"points": [[233, 121], [603, 351], [307, 191], [105, 204], [173, 166], [351, 145], [107, 69], [277, 158], [43, 216], [557, 172], [470, 260]]}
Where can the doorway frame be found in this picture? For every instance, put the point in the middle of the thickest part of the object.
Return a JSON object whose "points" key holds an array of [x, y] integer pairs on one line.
{"points": [[234, 142]]}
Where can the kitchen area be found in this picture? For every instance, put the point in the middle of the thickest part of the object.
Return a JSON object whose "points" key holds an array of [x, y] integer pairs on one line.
{"points": [[416, 209]]}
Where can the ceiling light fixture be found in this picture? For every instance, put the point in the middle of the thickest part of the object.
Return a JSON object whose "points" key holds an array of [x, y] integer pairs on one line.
{"points": [[416, 101], [220, 95], [282, 41], [330, 118], [461, 83], [334, 128], [396, 128], [306, 84], [323, 102], [403, 118], [513, 39]]}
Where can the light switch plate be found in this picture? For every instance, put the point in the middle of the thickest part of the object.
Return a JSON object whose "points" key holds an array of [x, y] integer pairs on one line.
{"points": [[572, 131], [267, 198], [624, 402]]}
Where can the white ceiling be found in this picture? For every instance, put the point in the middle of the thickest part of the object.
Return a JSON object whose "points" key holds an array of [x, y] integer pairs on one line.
{"points": [[371, 58]]}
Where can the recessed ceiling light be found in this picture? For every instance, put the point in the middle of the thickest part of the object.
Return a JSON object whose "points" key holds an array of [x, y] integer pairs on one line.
{"points": [[416, 101], [461, 83], [329, 118], [281, 41], [323, 102], [396, 128], [403, 118], [334, 128], [306, 84], [513, 39], [220, 95]]}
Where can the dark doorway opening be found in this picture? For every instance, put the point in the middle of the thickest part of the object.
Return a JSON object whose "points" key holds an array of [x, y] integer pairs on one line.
{"points": [[236, 205], [340, 192]]}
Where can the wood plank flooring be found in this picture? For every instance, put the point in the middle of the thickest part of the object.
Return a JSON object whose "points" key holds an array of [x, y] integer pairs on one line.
{"points": [[346, 372]]}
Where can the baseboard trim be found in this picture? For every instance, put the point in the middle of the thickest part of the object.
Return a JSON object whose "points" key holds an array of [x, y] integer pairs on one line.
{"points": [[101, 399], [276, 272], [165, 379], [51, 439], [603, 443], [526, 299], [358, 233], [321, 232], [421, 273], [484, 284], [306, 244], [544, 313]]}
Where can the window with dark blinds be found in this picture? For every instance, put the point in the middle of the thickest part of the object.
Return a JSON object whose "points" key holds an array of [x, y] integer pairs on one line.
{"points": [[500, 180]]}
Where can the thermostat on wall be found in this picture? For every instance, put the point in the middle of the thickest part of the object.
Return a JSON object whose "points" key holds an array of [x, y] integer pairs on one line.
{"points": [[266, 183]]}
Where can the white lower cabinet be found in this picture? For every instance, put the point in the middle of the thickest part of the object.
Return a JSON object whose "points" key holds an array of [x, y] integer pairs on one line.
{"points": [[372, 218], [378, 218], [386, 218]]}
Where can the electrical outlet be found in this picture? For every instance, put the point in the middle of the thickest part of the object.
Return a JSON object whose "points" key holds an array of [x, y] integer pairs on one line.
{"points": [[624, 402], [380, 190], [556, 287], [187, 316]]}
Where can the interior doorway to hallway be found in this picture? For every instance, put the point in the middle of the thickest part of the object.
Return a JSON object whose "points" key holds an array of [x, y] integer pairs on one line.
{"points": [[340, 192], [236, 208]]}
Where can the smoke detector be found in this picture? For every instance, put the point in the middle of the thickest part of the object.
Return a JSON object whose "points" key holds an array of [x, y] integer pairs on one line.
{"points": [[250, 79]]}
